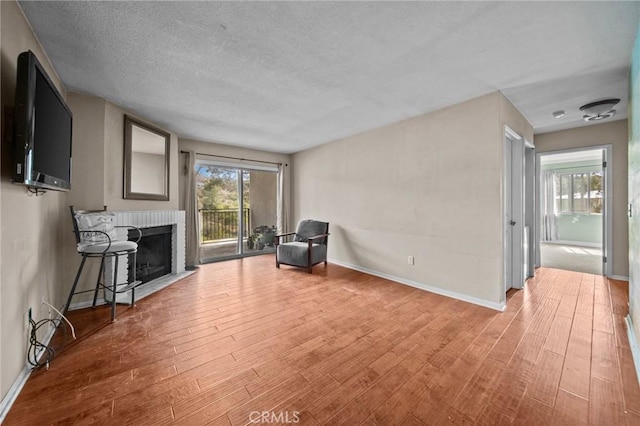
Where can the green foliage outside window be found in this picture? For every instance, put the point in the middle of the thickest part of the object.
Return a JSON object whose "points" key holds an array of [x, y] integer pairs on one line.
{"points": [[217, 190], [579, 193]]}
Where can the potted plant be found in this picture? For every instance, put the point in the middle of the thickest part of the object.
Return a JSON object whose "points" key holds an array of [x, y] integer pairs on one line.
{"points": [[252, 241], [259, 243]]}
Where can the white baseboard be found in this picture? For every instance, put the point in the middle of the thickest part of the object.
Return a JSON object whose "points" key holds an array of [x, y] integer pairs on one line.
{"points": [[86, 304], [618, 277], [18, 384], [143, 291], [437, 290], [635, 350], [573, 243]]}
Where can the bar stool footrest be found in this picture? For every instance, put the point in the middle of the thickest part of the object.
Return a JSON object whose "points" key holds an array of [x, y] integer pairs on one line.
{"points": [[129, 287]]}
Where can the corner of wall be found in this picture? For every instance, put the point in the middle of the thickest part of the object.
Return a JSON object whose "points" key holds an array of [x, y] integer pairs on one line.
{"points": [[633, 344], [32, 227], [512, 117], [88, 151], [404, 189], [633, 162]]}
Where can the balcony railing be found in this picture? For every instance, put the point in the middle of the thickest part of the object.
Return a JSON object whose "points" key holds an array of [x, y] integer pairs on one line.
{"points": [[222, 224]]}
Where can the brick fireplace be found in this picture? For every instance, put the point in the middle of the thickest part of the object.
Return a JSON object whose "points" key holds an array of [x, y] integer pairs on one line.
{"points": [[171, 223]]}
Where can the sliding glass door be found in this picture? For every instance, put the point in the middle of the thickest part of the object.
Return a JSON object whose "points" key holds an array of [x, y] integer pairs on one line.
{"points": [[262, 201], [237, 210]]}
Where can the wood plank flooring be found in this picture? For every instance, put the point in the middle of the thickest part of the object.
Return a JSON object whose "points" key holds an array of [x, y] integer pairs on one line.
{"points": [[241, 342]]}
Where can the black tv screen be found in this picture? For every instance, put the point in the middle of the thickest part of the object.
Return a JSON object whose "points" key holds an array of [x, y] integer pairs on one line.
{"points": [[42, 125]]}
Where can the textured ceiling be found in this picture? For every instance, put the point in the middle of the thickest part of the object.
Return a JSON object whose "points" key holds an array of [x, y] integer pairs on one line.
{"points": [[286, 76]]}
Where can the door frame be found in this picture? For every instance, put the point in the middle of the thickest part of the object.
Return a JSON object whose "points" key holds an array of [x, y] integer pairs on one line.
{"points": [[240, 168], [607, 220], [513, 266]]}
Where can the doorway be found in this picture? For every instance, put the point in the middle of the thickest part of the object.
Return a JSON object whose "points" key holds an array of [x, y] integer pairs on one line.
{"points": [[237, 210], [519, 184], [574, 202]]}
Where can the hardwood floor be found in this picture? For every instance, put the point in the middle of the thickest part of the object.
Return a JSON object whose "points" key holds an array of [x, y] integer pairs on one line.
{"points": [[242, 341]]}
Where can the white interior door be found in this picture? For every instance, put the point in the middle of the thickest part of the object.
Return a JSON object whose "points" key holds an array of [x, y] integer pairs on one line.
{"points": [[530, 208], [508, 230], [514, 211], [606, 213]]}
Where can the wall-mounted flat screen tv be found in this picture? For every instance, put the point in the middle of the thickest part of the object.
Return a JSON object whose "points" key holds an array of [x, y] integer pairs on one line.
{"points": [[42, 129]]}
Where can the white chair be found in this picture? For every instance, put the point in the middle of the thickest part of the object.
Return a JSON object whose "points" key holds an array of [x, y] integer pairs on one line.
{"points": [[96, 237]]}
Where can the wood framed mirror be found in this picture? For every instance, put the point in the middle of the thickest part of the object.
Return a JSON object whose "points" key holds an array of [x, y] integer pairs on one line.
{"points": [[146, 161]]}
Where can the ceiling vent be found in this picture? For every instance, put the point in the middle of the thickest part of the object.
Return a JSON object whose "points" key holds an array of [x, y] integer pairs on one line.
{"points": [[599, 110]]}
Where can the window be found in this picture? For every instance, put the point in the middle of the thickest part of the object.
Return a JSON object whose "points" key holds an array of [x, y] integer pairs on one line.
{"points": [[579, 193]]}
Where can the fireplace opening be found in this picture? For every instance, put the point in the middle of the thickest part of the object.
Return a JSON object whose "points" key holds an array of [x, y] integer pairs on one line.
{"points": [[153, 259]]}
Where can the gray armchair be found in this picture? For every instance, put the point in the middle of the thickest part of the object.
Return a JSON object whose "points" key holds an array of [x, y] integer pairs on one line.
{"points": [[308, 248]]}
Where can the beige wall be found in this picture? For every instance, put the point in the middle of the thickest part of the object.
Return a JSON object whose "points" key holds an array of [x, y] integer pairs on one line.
{"points": [[88, 160], [87, 183], [429, 187], [614, 133], [98, 161], [114, 158], [511, 117], [262, 198], [31, 227]]}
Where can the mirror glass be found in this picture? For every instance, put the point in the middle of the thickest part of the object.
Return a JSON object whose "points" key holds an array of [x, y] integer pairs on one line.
{"points": [[146, 172]]}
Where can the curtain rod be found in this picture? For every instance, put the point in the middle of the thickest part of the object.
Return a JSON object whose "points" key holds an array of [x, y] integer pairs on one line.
{"points": [[235, 158]]}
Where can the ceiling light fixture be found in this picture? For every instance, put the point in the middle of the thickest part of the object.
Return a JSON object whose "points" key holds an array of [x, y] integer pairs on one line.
{"points": [[558, 114], [599, 110]]}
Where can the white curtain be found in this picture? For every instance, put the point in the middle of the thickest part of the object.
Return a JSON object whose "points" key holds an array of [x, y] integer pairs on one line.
{"points": [[191, 212], [548, 206], [282, 213]]}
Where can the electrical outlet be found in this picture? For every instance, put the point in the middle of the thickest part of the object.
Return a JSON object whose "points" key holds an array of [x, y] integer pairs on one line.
{"points": [[27, 320], [44, 302], [410, 260]]}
